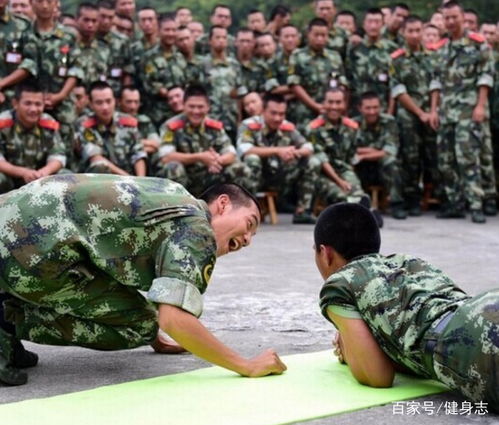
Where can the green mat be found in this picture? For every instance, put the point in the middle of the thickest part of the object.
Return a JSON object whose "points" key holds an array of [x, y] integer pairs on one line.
{"points": [[314, 385]]}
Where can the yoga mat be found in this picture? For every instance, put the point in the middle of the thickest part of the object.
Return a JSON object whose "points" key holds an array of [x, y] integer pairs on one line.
{"points": [[315, 385]]}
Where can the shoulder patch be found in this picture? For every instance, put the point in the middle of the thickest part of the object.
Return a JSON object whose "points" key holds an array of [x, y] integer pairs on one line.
{"points": [[479, 38], [217, 125], [397, 53], [6, 123], [318, 122], [176, 125], [254, 126], [438, 45], [350, 123], [128, 121], [89, 123], [48, 123], [287, 126]]}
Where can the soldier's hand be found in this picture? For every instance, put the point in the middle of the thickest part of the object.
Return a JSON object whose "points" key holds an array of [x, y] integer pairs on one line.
{"points": [[434, 121], [338, 348], [287, 153], [345, 186], [2, 97], [30, 175], [355, 39], [163, 345], [150, 146], [478, 114], [267, 363], [424, 117]]}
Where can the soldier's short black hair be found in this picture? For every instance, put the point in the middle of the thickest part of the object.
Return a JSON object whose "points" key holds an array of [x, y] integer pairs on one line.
{"points": [[97, 85], [129, 87], [350, 229], [254, 11], [368, 95], [316, 22], [238, 195], [452, 3], [85, 5], [195, 90], [182, 7], [105, 4], [411, 19], [472, 11], [374, 11], [29, 86], [167, 17], [140, 9], [245, 30], [346, 12], [279, 10], [272, 97], [403, 6], [221, 5], [263, 34], [337, 90], [213, 28]]}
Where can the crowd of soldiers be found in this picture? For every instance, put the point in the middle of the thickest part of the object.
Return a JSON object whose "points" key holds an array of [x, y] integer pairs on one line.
{"points": [[124, 91]]}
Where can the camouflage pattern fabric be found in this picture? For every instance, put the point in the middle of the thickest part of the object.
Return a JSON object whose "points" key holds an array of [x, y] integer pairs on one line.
{"points": [[94, 242], [178, 135], [277, 73], [32, 148], [396, 296], [253, 74], [95, 61], [396, 40], [138, 51], [203, 48], [337, 40]]}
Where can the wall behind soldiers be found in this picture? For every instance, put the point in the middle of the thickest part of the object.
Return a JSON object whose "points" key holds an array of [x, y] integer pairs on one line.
{"points": [[487, 9]]}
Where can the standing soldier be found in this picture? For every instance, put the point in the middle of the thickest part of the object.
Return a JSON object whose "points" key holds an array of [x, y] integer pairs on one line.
{"points": [[221, 16], [391, 31], [59, 70], [251, 70], [95, 55], [461, 90], [368, 63], [30, 144], [185, 44], [312, 70], [18, 56], [279, 157], [195, 149], [223, 78], [109, 140], [410, 79], [163, 67], [338, 37]]}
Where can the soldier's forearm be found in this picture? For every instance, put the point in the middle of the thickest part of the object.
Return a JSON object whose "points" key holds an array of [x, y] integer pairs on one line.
{"points": [[435, 99], [483, 94], [52, 167], [303, 96], [68, 87], [13, 78], [140, 168], [11, 170], [408, 103]]}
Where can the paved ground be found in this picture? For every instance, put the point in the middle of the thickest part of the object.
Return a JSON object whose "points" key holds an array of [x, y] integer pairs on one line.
{"points": [[266, 296]]}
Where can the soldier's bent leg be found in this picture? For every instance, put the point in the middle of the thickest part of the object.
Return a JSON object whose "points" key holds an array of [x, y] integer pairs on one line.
{"points": [[488, 172], [254, 163], [238, 172], [174, 171]]}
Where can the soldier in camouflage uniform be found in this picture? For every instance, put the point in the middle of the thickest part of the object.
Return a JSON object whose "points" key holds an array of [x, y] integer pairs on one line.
{"points": [[185, 45], [58, 70], [252, 71], [162, 67], [368, 63], [399, 313], [18, 55], [95, 55], [461, 89], [391, 31], [109, 141], [312, 70], [410, 79], [334, 136], [77, 281], [223, 79], [195, 150], [279, 157], [30, 143], [377, 145], [221, 16]]}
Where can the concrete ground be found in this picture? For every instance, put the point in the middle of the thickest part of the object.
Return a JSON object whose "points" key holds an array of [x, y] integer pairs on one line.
{"points": [[267, 296]]}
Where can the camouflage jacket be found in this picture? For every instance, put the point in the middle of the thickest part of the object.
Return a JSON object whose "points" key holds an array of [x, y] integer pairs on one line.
{"points": [[119, 142], [146, 233], [147, 130], [138, 50], [384, 135], [464, 65], [396, 40], [333, 143], [202, 46], [337, 40], [277, 73], [95, 61], [397, 296], [316, 72], [253, 74], [120, 60], [32, 148]]}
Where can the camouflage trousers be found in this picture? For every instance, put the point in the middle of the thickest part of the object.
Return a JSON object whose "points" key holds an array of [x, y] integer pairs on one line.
{"points": [[297, 177], [385, 172], [418, 158], [331, 193], [196, 179], [82, 307], [487, 164], [8, 183], [458, 147], [466, 356], [65, 113]]}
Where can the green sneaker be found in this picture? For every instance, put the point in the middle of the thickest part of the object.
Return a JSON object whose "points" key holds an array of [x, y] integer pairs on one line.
{"points": [[9, 375], [303, 218], [477, 216], [490, 207]]}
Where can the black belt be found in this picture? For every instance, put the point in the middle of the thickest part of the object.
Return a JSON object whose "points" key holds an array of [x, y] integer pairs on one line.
{"points": [[430, 341]]}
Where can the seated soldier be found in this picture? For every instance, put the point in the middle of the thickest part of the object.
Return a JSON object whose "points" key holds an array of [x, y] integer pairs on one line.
{"points": [[399, 313], [195, 149], [175, 99], [252, 104], [77, 249], [279, 157], [109, 141], [376, 159], [30, 143]]}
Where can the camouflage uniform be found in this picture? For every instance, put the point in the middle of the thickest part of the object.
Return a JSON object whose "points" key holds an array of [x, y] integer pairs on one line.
{"points": [[253, 74], [58, 60], [368, 69], [139, 49], [494, 110], [177, 135], [221, 78], [271, 173], [119, 143], [402, 299], [95, 61], [335, 144], [396, 40], [384, 136], [411, 74], [94, 242], [32, 148], [160, 70], [193, 70], [315, 72], [202, 46], [16, 51], [337, 40], [468, 65]]}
